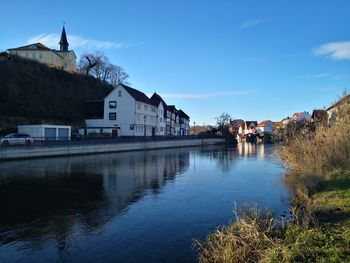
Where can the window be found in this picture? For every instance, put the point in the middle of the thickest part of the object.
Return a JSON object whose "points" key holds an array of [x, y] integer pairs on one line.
{"points": [[161, 120], [119, 93], [131, 127], [40, 56], [112, 116], [161, 129], [153, 109], [26, 54], [139, 106], [145, 107], [33, 55], [137, 116], [112, 104]]}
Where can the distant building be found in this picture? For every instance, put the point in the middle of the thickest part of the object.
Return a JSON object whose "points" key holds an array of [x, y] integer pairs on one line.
{"points": [[339, 108], [301, 116], [62, 59], [250, 127], [237, 126], [319, 116], [266, 126], [161, 114], [184, 123]]}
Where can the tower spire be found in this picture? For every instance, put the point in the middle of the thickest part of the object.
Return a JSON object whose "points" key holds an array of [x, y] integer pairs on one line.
{"points": [[63, 42]]}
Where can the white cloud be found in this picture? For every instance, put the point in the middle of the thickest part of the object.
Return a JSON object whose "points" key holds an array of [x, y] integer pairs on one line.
{"points": [[203, 95], [51, 40], [315, 76], [250, 23], [334, 50]]}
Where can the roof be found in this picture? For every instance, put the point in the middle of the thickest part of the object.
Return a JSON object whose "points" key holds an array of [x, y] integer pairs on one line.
{"points": [[263, 123], [138, 95], [340, 101], [249, 123], [172, 108], [156, 99], [237, 123], [35, 46], [63, 40], [183, 114], [297, 114]]}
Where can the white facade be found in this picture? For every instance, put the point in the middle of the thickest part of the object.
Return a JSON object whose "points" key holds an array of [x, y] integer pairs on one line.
{"points": [[44, 132], [266, 127], [126, 115], [302, 116], [161, 121]]}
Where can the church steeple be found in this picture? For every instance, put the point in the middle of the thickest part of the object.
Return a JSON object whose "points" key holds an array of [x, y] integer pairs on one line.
{"points": [[63, 42]]}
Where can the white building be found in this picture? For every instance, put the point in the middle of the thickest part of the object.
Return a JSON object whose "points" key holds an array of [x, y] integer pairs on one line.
{"points": [[265, 126], [301, 116], [44, 132], [123, 112], [161, 114]]}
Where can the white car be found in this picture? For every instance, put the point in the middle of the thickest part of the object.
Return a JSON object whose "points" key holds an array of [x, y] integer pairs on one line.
{"points": [[16, 139]]}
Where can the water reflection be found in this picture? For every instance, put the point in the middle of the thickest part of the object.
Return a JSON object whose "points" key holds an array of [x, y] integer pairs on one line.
{"points": [[97, 187], [49, 206]]}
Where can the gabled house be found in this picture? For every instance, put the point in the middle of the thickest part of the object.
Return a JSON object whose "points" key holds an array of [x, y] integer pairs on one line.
{"points": [[125, 111], [301, 116], [161, 114], [319, 116], [172, 120], [265, 127], [250, 127], [237, 126]]}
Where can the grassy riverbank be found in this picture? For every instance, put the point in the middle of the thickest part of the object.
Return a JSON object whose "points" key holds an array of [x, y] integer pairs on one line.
{"points": [[318, 229]]}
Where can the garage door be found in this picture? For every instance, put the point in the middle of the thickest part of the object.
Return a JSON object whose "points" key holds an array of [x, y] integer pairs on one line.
{"points": [[63, 134], [50, 134]]}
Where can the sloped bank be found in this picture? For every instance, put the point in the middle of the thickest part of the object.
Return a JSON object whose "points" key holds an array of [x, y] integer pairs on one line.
{"points": [[66, 150]]}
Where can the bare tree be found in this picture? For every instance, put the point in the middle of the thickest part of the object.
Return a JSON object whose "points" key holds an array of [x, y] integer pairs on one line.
{"points": [[96, 64], [223, 122]]}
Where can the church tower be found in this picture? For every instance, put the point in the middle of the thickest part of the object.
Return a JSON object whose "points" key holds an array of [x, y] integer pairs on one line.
{"points": [[63, 42]]}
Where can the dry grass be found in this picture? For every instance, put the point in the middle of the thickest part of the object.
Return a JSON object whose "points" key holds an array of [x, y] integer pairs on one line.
{"points": [[244, 241], [314, 155], [325, 150]]}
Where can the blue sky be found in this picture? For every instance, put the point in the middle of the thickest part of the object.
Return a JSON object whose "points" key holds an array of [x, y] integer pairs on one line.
{"points": [[255, 60]]}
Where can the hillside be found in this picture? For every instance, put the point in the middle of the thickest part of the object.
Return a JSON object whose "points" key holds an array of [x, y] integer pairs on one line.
{"points": [[31, 92]]}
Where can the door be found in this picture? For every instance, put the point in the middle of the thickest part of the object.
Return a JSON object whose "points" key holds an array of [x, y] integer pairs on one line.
{"points": [[50, 134], [63, 134], [114, 133]]}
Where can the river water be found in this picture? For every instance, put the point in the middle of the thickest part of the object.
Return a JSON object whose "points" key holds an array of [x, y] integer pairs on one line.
{"points": [[145, 206]]}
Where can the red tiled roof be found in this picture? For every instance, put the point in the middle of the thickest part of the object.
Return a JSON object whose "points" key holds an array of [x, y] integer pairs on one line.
{"points": [[297, 114], [263, 123]]}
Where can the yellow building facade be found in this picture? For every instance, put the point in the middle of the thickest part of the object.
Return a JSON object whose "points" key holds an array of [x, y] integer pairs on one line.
{"points": [[62, 59]]}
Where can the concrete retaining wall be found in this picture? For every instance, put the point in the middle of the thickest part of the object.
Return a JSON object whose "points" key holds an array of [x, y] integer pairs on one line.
{"points": [[65, 150]]}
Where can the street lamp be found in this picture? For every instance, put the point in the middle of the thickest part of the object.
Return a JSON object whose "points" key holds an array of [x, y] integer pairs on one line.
{"points": [[144, 125], [194, 128]]}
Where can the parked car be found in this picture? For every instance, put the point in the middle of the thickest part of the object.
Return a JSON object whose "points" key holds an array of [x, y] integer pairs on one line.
{"points": [[76, 136], [16, 139]]}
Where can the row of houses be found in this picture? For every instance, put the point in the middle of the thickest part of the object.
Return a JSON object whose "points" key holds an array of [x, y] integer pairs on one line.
{"points": [[126, 111]]}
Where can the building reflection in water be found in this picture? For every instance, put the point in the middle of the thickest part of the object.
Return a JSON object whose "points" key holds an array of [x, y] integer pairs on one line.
{"points": [[61, 198], [41, 198]]}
